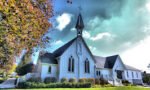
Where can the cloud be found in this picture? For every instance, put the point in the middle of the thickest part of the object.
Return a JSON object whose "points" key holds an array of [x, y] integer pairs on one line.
{"points": [[92, 48], [138, 54], [148, 6], [86, 35], [119, 32], [63, 20], [73, 29], [59, 42], [99, 36]]}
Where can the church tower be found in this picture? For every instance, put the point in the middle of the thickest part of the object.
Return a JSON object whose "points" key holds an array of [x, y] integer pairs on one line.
{"points": [[79, 26]]}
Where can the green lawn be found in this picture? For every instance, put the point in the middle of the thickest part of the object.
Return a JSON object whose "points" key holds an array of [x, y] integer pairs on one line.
{"points": [[102, 88]]}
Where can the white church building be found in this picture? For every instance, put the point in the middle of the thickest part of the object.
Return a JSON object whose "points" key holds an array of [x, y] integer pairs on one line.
{"points": [[75, 60]]}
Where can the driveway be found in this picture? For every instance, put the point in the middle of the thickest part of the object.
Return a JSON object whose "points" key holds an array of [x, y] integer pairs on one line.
{"points": [[9, 83]]}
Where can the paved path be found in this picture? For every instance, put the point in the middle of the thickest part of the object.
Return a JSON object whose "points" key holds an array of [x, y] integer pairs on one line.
{"points": [[9, 83]]}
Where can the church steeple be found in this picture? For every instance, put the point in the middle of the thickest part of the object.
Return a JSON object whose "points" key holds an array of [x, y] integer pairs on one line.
{"points": [[79, 25]]}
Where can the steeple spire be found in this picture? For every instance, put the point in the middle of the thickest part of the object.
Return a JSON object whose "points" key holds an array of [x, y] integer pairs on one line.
{"points": [[79, 25]]}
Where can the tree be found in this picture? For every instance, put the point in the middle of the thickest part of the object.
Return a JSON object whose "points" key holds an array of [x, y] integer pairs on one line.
{"points": [[23, 23], [146, 78], [148, 66], [27, 68]]}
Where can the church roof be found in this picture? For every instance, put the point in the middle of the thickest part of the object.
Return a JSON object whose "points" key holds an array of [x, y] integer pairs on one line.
{"points": [[131, 68], [110, 61], [61, 50], [100, 61], [50, 58], [107, 62]]}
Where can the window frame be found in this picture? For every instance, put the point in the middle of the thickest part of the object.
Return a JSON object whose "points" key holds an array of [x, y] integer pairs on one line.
{"points": [[50, 69], [127, 74], [132, 74], [71, 65], [87, 66]]}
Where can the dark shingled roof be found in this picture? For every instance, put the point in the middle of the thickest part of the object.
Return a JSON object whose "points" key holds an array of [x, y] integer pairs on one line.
{"points": [[107, 62], [60, 50], [110, 61], [48, 58], [131, 68]]}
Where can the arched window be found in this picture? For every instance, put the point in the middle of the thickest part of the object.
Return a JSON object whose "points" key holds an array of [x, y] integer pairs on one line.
{"points": [[49, 69], [127, 74], [99, 73], [137, 74], [87, 66], [71, 64], [132, 75]]}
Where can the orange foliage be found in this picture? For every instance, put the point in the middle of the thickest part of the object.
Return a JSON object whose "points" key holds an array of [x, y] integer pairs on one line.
{"points": [[24, 23]]}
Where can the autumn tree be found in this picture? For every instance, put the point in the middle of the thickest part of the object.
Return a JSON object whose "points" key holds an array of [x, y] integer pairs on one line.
{"points": [[23, 23]]}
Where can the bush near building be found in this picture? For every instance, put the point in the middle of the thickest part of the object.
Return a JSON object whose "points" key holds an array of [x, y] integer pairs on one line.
{"points": [[24, 85], [64, 80], [50, 80], [35, 79], [72, 80]]}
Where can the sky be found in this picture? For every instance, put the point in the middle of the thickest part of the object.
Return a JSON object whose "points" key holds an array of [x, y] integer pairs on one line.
{"points": [[111, 27]]}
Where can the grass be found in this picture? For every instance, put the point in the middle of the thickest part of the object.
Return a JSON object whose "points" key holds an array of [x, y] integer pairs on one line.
{"points": [[101, 88]]}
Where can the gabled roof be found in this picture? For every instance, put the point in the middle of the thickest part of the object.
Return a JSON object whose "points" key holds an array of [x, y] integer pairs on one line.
{"points": [[62, 49], [107, 62], [100, 61], [48, 58], [110, 61], [131, 68], [88, 49]]}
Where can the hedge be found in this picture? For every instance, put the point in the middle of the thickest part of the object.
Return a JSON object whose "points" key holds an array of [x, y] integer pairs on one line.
{"points": [[125, 82], [64, 80], [50, 80], [24, 85], [82, 80], [34, 79], [72, 80]]}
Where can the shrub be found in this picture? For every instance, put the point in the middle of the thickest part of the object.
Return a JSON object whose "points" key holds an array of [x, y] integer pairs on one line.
{"points": [[64, 80], [35, 79], [103, 81], [53, 85], [91, 80], [50, 80], [72, 80], [125, 82], [108, 85], [82, 80], [23, 70], [97, 81]]}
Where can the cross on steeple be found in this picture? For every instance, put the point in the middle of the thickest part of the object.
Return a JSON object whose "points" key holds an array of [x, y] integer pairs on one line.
{"points": [[79, 25]]}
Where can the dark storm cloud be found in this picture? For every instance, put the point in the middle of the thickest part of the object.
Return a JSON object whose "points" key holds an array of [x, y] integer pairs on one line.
{"points": [[123, 19], [105, 9]]}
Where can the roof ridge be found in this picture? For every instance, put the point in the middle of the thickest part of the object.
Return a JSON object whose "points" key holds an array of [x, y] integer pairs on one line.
{"points": [[99, 56], [113, 55], [131, 67], [61, 49]]}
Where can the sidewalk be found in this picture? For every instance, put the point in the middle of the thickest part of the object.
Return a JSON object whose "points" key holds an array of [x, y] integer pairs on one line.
{"points": [[9, 83]]}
